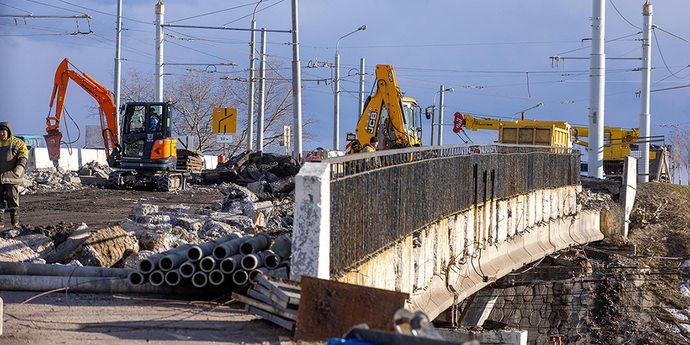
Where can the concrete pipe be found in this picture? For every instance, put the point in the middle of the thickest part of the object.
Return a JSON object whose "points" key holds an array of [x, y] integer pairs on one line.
{"points": [[254, 244], [149, 264], [229, 265], [229, 248], [197, 252], [282, 245], [240, 278], [256, 260], [271, 260], [173, 277], [29, 269], [171, 261], [187, 269], [255, 274], [199, 279], [84, 284], [207, 264], [136, 278], [157, 278], [216, 277]]}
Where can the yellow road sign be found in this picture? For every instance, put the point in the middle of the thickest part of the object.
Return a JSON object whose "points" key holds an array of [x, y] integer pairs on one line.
{"points": [[224, 120]]}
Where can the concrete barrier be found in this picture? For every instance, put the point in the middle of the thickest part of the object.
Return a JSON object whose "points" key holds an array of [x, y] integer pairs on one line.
{"points": [[210, 162], [73, 159], [92, 155]]}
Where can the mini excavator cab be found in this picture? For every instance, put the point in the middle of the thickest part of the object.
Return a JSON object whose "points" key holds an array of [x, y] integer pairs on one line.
{"points": [[146, 137]]}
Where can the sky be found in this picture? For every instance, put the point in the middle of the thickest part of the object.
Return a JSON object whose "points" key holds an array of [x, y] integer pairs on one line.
{"points": [[485, 50]]}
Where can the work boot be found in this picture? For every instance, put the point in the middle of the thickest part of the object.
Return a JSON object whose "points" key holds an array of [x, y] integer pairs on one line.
{"points": [[14, 218]]}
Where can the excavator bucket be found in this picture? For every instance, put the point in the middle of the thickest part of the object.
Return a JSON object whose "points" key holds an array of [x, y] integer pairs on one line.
{"points": [[53, 139]]}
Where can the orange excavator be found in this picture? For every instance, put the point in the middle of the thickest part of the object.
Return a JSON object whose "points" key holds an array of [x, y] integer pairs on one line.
{"points": [[143, 154]]}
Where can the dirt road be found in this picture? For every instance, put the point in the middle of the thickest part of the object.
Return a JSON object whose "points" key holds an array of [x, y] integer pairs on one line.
{"points": [[61, 318], [101, 207]]}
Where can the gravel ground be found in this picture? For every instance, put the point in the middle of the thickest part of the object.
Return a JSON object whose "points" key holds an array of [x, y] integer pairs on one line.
{"points": [[101, 207], [61, 318]]}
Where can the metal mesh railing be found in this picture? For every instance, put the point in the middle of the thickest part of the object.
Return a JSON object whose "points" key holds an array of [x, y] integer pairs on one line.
{"points": [[379, 199], [346, 166]]}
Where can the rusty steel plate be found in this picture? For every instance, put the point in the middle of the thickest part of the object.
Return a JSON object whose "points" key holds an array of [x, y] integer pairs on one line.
{"points": [[329, 308]]}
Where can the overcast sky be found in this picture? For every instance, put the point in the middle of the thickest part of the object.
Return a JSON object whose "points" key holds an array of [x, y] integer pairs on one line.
{"points": [[483, 49]]}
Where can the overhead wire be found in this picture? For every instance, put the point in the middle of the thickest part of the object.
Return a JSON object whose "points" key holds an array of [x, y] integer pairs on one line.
{"points": [[622, 16], [102, 12], [663, 59], [672, 34], [257, 11], [214, 12], [53, 6], [16, 8]]}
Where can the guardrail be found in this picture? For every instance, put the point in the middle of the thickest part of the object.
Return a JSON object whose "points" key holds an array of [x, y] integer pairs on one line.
{"points": [[379, 198]]}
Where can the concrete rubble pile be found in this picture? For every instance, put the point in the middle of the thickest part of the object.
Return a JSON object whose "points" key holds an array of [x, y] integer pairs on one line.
{"points": [[150, 229], [45, 179], [232, 261], [95, 169], [266, 175]]}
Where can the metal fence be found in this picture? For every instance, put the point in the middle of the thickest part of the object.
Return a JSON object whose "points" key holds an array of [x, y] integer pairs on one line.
{"points": [[380, 198]]}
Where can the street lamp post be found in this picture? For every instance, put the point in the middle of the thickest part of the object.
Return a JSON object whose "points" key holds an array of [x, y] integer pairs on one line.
{"points": [[441, 105], [336, 90]]}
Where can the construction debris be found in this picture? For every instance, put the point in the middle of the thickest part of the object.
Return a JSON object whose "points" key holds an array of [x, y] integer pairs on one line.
{"points": [[190, 160], [265, 175], [274, 300], [95, 169], [49, 179]]}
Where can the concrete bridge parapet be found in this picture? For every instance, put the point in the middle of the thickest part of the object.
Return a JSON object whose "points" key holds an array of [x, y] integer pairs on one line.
{"points": [[512, 218]]}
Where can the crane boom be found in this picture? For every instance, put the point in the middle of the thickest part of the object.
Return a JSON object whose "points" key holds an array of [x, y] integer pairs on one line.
{"points": [[106, 104]]}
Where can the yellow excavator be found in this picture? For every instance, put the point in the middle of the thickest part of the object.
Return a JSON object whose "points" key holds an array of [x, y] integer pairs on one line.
{"points": [[620, 142], [388, 115]]}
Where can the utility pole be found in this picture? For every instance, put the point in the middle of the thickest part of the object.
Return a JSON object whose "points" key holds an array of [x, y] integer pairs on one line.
{"points": [[597, 80], [296, 85], [361, 87], [262, 94], [160, 15], [336, 102], [441, 101], [118, 62], [645, 132], [250, 101]]}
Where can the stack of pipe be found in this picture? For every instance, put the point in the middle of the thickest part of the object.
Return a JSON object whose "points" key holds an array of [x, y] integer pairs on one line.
{"points": [[231, 261]]}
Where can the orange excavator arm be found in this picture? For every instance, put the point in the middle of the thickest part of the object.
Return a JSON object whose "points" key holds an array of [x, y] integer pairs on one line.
{"points": [[100, 93]]}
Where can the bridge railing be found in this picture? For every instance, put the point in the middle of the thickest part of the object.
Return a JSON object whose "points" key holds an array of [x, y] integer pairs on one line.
{"points": [[349, 208], [379, 198]]}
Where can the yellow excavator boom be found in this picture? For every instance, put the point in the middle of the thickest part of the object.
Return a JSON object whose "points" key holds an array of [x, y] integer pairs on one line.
{"points": [[388, 115]]}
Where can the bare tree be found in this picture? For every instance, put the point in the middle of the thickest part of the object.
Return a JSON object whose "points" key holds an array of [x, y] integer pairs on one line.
{"points": [[195, 94], [680, 152]]}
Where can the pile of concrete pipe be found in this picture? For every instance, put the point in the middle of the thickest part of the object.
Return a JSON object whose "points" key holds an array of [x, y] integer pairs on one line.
{"points": [[232, 261], [22, 276]]}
